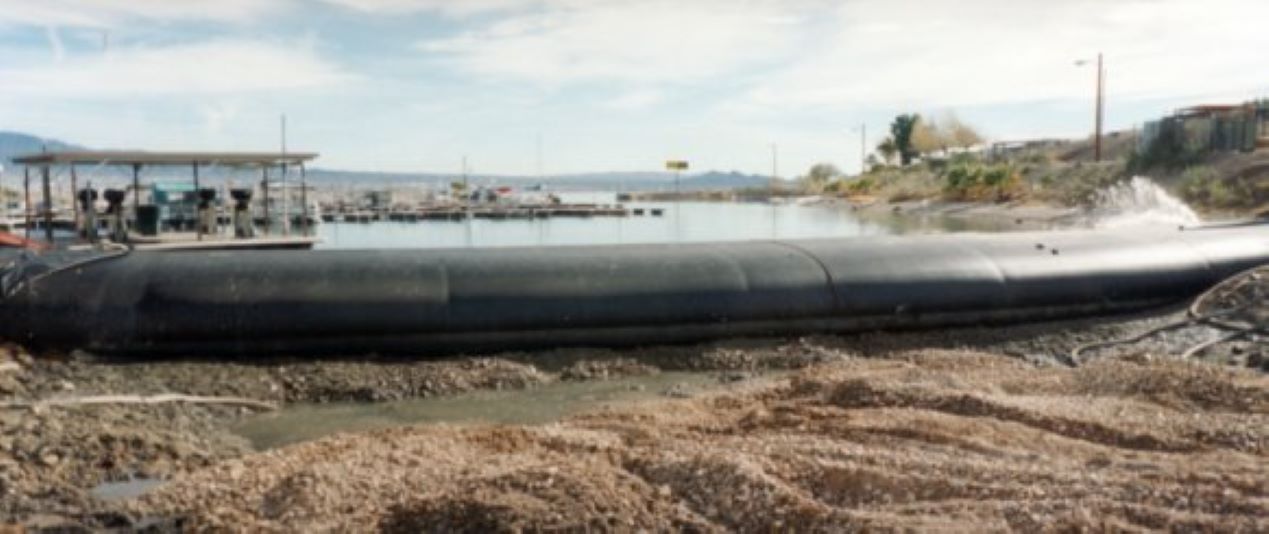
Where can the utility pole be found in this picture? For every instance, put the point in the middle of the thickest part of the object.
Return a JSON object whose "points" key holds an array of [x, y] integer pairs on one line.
{"points": [[1099, 105], [775, 163], [863, 142], [1101, 108]]}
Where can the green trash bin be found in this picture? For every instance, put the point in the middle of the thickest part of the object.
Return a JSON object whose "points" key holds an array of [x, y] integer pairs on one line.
{"points": [[148, 220]]}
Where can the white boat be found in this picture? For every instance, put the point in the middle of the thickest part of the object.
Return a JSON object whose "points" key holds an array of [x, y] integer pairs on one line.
{"points": [[12, 215], [284, 206]]}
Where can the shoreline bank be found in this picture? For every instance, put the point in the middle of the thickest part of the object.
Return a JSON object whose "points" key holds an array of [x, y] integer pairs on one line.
{"points": [[51, 459]]}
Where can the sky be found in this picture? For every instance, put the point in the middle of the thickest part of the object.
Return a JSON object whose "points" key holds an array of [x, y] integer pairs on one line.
{"points": [[567, 86]]}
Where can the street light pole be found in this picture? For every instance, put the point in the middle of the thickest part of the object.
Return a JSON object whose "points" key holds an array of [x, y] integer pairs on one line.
{"points": [[1101, 109], [863, 142], [1099, 106], [775, 164]]}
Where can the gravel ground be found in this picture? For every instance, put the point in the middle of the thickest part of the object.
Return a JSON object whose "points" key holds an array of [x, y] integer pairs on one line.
{"points": [[947, 440], [51, 458]]}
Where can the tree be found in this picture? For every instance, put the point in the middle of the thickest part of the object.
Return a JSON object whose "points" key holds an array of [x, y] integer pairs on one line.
{"points": [[901, 132], [960, 134], [820, 175], [927, 138], [888, 150]]}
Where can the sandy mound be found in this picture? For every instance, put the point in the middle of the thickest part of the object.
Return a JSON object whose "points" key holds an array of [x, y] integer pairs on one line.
{"points": [[926, 440]]}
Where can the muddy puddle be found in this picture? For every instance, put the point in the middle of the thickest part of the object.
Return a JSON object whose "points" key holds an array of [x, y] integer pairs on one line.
{"points": [[537, 405], [124, 489]]}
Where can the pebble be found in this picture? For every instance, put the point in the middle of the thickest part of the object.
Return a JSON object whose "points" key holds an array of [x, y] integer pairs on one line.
{"points": [[677, 391]]}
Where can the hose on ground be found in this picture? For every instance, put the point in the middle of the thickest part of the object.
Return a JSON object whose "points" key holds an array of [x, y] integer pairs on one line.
{"points": [[1237, 321]]}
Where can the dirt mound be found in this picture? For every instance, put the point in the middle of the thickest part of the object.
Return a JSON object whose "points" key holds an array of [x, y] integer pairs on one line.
{"points": [[920, 440]]}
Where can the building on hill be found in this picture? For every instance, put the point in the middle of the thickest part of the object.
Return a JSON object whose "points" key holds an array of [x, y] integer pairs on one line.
{"points": [[1213, 128], [1007, 150]]}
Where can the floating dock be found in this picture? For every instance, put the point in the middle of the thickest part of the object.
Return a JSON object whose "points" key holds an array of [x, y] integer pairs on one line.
{"points": [[459, 213]]}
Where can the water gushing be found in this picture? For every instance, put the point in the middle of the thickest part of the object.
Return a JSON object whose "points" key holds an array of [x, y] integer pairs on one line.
{"points": [[1140, 202]]}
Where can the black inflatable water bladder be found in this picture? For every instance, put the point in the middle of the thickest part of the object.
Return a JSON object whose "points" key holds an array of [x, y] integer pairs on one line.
{"points": [[422, 302]]}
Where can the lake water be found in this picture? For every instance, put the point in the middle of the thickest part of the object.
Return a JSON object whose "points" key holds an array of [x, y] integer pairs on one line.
{"points": [[686, 222]]}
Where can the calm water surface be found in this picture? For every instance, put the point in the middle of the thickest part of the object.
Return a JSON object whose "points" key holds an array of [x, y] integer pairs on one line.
{"points": [[686, 222]]}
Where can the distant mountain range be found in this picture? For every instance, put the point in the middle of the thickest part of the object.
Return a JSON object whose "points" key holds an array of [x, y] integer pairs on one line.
{"points": [[13, 144]]}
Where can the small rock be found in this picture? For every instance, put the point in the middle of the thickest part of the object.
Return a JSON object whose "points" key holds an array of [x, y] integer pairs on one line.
{"points": [[677, 391]]}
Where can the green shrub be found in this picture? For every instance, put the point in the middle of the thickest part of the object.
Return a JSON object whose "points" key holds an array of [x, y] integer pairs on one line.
{"points": [[998, 183], [860, 186]]}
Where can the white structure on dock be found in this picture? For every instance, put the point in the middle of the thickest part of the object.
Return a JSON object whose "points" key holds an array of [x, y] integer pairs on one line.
{"points": [[141, 224]]}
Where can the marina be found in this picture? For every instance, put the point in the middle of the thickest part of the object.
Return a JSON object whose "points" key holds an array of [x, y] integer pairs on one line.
{"points": [[636, 266], [169, 214]]}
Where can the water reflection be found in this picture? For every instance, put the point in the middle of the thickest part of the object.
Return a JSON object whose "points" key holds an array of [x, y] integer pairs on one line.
{"points": [[687, 222]]}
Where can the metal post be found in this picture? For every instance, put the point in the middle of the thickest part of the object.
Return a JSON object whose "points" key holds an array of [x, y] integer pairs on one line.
{"points": [[1097, 135], [264, 173], [286, 202], [863, 143], [75, 196], [678, 210], [466, 206], [304, 201], [286, 190], [198, 223], [775, 161], [26, 204], [136, 188], [48, 204]]}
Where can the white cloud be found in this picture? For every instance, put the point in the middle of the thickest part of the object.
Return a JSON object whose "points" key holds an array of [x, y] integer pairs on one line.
{"points": [[896, 53], [217, 114], [105, 13], [654, 41], [55, 43], [216, 67], [456, 8], [638, 99]]}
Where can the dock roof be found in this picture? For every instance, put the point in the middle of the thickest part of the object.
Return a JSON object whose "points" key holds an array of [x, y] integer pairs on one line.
{"points": [[142, 157]]}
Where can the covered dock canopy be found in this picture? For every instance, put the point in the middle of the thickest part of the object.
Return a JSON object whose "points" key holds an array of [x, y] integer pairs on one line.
{"points": [[137, 159], [144, 157]]}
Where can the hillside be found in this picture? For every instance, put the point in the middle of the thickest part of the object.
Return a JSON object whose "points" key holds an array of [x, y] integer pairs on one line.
{"points": [[16, 143], [1063, 174], [604, 181], [13, 144]]}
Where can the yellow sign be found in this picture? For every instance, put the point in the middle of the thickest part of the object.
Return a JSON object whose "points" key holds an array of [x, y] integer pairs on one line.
{"points": [[676, 165]]}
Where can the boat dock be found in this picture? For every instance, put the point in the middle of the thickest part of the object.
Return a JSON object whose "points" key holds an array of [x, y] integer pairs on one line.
{"points": [[334, 214], [169, 215]]}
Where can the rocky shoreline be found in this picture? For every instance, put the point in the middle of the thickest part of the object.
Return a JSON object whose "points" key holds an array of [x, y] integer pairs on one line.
{"points": [[51, 458]]}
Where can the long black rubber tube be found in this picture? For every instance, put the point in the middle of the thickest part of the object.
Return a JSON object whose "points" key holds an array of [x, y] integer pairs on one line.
{"points": [[422, 302]]}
